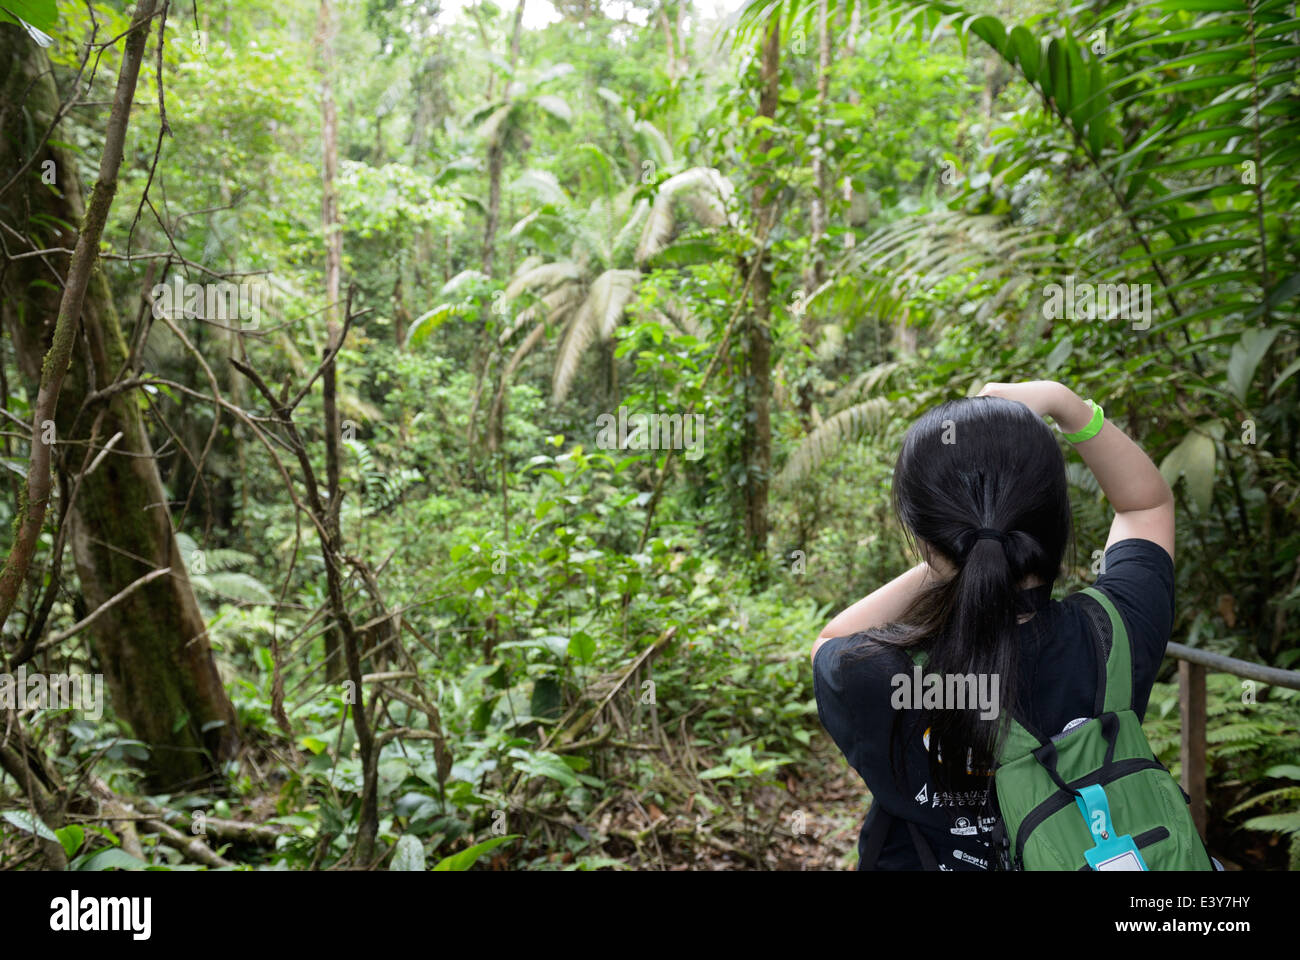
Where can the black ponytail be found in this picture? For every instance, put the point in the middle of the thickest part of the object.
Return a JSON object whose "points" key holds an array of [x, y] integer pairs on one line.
{"points": [[981, 481]]}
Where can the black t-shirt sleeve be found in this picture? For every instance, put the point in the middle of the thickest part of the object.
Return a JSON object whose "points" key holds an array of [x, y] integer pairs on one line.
{"points": [[1138, 577], [832, 688]]}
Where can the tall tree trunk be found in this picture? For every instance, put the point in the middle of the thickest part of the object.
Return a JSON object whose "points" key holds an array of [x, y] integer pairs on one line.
{"points": [[851, 45], [815, 274], [401, 316], [496, 156], [815, 269], [759, 445], [335, 668], [515, 34], [152, 645], [496, 160], [670, 42]]}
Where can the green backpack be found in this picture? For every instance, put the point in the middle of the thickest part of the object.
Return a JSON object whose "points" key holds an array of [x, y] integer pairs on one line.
{"points": [[1094, 797]]}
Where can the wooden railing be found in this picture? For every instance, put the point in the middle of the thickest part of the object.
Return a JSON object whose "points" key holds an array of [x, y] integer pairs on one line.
{"points": [[1192, 667]]}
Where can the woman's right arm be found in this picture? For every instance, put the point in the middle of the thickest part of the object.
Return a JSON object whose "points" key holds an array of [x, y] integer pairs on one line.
{"points": [[1142, 500]]}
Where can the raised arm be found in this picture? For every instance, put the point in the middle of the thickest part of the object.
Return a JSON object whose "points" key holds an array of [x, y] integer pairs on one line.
{"points": [[1142, 500], [879, 607]]}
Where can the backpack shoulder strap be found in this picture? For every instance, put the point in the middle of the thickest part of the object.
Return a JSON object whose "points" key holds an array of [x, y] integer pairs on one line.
{"points": [[923, 851], [876, 837], [880, 830], [1119, 662]]}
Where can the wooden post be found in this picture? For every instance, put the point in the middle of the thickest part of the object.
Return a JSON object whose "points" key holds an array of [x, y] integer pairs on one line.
{"points": [[1191, 704]]}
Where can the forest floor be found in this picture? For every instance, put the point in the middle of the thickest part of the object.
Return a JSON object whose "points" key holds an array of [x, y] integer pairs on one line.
{"points": [[805, 817]]}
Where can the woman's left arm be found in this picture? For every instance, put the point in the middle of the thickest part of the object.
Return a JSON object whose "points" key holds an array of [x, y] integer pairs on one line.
{"points": [[882, 606]]}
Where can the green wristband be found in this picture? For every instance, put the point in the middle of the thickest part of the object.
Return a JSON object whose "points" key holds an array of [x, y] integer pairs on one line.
{"points": [[1093, 427]]}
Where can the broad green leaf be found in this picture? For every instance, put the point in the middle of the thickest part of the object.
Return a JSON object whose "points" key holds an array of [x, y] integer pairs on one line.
{"points": [[114, 858], [43, 15], [551, 766], [582, 647], [1277, 822], [408, 854], [1245, 358], [30, 824], [1193, 458], [1025, 50], [71, 837], [991, 31]]}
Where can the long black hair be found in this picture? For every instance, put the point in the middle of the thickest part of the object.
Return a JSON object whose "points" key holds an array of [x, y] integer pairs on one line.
{"points": [[980, 481]]}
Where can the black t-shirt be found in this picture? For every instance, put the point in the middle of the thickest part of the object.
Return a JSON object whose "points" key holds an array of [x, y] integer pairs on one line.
{"points": [[1058, 668]]}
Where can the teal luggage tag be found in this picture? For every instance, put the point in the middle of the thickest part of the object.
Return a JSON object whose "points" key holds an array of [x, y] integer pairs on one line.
{"points": [[1111, 852]]}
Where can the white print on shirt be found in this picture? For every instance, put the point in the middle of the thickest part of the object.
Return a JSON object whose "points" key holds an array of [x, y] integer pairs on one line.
{"points": [[988, 823], [959, 798], [921, 797], [962, 855], [963, 828]]}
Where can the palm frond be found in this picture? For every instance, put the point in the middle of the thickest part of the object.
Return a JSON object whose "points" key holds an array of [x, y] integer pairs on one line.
{"points": [[596, 318], [707, 192], [871, 417], [541, 184], [532, 275]]}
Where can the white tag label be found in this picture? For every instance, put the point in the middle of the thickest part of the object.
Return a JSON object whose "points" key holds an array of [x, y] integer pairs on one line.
{"points": [[1125, 861]]}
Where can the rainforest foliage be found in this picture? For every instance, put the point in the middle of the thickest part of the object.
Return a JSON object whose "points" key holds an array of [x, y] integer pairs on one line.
{"points": [[510, 395]]}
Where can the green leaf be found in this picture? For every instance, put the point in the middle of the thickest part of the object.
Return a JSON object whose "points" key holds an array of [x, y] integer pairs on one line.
{"points": [[991, 31], [114, 858], [408, 854], [582, 647], [1245, 358], [1026, 51], [467, 858], [721, 770], [551, 766], [1282, 822], [71, 837], [30, 824], [41, 14], [1193, 458], [1060, 353], [1284, 376], [1058, 67], [547, 700]]}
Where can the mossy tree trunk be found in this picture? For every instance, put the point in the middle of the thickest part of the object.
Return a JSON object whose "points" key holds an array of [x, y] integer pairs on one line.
{"points": [[152, 645], [758, 432]]}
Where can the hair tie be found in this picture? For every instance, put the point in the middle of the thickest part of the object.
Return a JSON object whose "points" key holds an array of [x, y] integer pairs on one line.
{"points": [[989, 533]]}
